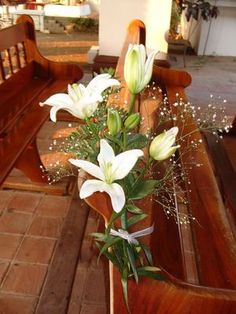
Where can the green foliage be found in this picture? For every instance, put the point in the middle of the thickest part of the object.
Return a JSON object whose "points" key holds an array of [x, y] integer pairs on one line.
{"points": [[198, 8], [136, 141], [131, 257], [142, 188], [175, 17], [109, 70], [132, 260], [81, 143], [86, 24]]}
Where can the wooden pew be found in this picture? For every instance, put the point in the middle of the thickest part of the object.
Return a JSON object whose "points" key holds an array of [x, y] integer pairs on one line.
{"points": [[26, 78], [198, 260]]}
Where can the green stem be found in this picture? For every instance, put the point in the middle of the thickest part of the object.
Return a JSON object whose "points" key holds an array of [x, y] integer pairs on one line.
{"points": [[132, 103], [123, 220], [147, 165], [124, 139]]}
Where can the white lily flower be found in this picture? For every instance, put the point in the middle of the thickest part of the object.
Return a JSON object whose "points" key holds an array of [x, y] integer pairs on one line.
{"points": [[80, 101], [110, 169], [138, 70], [162, 147]]}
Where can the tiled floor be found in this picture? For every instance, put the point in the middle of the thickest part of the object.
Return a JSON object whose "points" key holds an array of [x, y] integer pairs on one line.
{"points": [[30, 226], [30, 229]]}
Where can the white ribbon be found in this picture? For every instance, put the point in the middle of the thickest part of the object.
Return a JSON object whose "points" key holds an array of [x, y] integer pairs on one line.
{"points": [[131, 237]]}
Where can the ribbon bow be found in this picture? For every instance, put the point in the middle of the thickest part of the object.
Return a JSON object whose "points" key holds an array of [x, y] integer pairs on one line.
{"points": [[131, 237]]}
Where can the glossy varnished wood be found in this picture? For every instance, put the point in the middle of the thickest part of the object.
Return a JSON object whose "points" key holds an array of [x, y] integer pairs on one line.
{"points": [[27, 78], [197, 260]]}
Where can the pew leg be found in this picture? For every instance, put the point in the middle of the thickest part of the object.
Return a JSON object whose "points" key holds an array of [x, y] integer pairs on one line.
{"points": [[30, 164]]}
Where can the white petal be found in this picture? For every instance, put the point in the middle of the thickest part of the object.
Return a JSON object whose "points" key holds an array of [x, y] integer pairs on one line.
{"points": [[124, 162], [116, 194], [106, 153], [149, 67], [72, 93], [90, 99], [89, 109], [96, 81], [58, 100], [173, 131], [91, 186], [97, 78], [81, 89], [165, 139], [142, 53], [53, 112], [102, 85], [130, 47], [164, 154], [141, 65], [89, 167], [114, 190]]}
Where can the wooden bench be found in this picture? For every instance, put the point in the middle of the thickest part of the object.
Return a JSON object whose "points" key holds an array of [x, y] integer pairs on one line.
{"points": [[26, 78], [198, 260]]}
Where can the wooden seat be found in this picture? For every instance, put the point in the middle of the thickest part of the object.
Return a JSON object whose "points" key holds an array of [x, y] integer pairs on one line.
{"points": [[197, 259], [26, 78]]}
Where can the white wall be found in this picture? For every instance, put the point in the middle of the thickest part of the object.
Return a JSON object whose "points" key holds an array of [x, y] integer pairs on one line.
{"points": [[115, 16], [94, 4], [222, 31], [222, 35]]}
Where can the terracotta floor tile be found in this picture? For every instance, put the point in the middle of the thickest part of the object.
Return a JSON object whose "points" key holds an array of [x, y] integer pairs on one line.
{"points": [[3, 269], [13, 222], [5, 197], [25, 279], [25, 201], [46, 226], [10, 304], [8, 245], [36, 250], [54, 206]]}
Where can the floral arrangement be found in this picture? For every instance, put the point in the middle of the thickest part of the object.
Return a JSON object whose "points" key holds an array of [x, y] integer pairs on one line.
{"points": [[120, 161]]}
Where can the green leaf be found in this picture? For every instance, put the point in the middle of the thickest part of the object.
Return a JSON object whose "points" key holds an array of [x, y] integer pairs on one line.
{"points": [[118, 252], [150, 272], [136, 141], [128, 182], [114, 216], [147, 252], [142, 189], [132, 262], [124, 282], [108, 244], [114, 139], [111, 257], [135, 219], [134, 209], [99, 236]]}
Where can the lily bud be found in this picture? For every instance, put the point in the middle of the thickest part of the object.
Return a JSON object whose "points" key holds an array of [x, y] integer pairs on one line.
{"points": [[162, 147], [113, 121], [138, 70], [132, 121]]}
